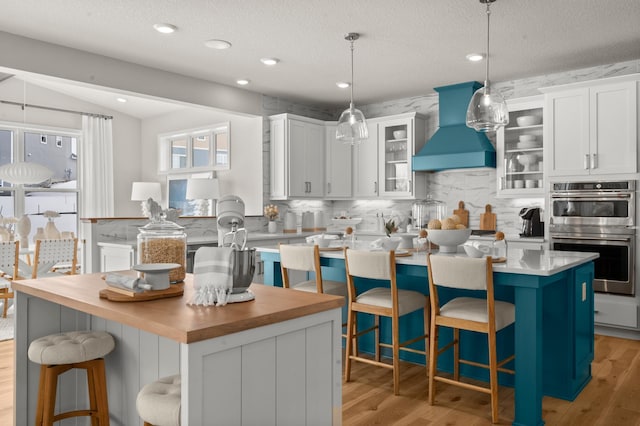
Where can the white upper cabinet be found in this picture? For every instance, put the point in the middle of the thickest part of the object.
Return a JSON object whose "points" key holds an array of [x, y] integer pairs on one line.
{"points": [[338, 165], [397, 140], [365, 164], [592, 128], [297, 157], [519, 150]]}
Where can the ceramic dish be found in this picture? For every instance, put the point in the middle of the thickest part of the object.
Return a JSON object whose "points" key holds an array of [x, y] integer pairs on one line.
{"points": [[529, 144]]}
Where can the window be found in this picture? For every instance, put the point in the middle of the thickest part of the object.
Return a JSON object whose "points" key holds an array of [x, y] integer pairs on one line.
{"points": [[202, 149], [57, 150]]}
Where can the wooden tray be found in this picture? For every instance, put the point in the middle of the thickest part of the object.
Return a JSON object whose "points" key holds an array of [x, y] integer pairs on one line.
{"points": [[498, 259], [117, 295]]}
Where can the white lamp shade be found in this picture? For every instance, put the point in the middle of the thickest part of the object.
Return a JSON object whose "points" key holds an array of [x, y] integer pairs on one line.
{"points": [[203, 189], [142, 191], [24, 173]]}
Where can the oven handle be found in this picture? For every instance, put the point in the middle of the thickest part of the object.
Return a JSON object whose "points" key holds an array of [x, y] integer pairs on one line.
{"points": [[600, 196], [585, 238]]}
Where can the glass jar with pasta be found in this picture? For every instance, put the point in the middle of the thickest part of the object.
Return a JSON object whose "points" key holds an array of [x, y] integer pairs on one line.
{"points": [[163, 241]]}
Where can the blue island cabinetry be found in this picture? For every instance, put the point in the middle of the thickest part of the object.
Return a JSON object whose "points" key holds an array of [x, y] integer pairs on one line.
{"points": [[552, 336]]}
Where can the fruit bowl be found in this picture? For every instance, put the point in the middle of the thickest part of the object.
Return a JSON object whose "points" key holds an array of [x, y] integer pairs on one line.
{"points": [[448, 239]]}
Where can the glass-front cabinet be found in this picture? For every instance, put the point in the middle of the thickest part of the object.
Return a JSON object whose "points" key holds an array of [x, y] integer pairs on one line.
{"points": [[397, 144], [519, 146]]}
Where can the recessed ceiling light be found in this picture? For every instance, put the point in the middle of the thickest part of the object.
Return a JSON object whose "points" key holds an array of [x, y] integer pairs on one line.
{"points": [[217, 44], [343, 84], [269, 61], [475, 57], [165, 28], [121, 100], [243, 81]]}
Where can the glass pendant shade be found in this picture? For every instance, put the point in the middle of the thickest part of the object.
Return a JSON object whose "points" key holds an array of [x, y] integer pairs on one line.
{"points": [[352, 127], [487, 110]]}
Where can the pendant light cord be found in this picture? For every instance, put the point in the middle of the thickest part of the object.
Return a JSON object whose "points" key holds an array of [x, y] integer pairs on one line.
{"points": [[486, 80], [351, 103]]}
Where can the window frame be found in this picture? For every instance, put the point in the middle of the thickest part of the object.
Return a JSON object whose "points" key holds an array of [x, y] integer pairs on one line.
{"points": [[166, 155]]}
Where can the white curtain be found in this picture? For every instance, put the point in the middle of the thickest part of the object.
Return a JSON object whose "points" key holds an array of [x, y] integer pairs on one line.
{"points": [[96, 157]]}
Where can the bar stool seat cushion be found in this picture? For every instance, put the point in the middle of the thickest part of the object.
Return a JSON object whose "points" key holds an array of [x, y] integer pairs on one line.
{"points": [[71, 347], [473, 309], [408, 300], [328, 287], [158, 403]]}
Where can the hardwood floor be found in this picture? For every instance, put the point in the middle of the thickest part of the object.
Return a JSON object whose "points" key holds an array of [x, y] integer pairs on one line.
{"points": [[611, 398]]}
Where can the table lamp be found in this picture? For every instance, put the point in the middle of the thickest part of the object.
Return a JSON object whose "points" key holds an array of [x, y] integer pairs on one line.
{"points": [[201, 191], [142, 191]]}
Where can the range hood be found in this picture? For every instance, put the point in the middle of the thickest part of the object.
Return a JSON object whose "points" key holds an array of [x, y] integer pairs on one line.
{"points": [[454, 145]]}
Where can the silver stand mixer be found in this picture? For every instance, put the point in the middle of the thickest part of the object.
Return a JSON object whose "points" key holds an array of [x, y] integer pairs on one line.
{"points": [[231, 233]]}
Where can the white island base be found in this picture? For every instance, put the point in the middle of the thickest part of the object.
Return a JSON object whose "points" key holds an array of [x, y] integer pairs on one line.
{"points": [[286, 372]]}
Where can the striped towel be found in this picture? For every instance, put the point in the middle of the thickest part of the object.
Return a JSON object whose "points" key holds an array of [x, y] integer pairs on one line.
{"points": [[212, 276]]}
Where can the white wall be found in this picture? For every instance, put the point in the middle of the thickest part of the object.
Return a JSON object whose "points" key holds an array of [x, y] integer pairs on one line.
{"points": [[126, 131], [244, 178]]}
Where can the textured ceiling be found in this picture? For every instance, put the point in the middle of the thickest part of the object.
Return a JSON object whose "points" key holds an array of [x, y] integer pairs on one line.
{"points": [[406, 47]]}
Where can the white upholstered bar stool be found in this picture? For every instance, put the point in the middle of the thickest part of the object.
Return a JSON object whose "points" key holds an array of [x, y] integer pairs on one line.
{"points": [[307, 258], [158, 403], [58, 353], [381, 301], [483, 315]]}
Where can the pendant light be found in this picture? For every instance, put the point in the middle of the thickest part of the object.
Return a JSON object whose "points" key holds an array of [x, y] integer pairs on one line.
{"points": [[487, 109], [352, 128]]}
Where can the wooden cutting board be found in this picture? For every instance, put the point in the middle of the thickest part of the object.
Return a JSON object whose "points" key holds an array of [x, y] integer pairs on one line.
{"points": [[488, 219], [120, 295], [462, 213]]}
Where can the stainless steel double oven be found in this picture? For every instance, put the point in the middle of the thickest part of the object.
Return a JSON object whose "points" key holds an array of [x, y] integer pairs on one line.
{"points": [[598, 217]]}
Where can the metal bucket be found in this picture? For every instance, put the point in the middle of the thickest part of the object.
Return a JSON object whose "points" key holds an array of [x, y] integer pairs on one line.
{"points": [[244, 266]]}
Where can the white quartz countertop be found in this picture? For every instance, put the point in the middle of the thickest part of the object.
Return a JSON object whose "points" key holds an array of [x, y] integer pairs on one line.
{"points": [[519, 261]]}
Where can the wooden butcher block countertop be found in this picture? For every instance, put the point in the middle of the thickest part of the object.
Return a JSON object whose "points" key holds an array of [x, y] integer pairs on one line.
{"points": [[172, 317]]}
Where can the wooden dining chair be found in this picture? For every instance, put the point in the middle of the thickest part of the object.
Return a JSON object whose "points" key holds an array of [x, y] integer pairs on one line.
{"points": [[9, 252], [388, 301], [483, 314], [50, 254]]}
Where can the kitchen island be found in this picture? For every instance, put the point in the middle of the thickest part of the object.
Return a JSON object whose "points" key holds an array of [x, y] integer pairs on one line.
{"points": [[274, 360], [554, 329]]}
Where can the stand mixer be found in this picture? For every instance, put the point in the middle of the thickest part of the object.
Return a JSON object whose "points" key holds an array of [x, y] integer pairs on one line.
{"points": [[231, 233]]}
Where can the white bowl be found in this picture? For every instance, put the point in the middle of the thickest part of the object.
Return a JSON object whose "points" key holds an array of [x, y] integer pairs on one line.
{"points": [[528, 120], [527, 160], [448, 239], [399, 134], [527, 138]]}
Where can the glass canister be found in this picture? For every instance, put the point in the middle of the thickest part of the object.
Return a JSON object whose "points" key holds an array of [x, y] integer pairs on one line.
{"points": [[163, 241], [423, 211]]}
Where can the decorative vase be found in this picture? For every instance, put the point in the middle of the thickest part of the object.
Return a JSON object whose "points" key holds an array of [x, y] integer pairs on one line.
{"points": [[50, 231], [23, 228], [39, 235], [272, 227]]}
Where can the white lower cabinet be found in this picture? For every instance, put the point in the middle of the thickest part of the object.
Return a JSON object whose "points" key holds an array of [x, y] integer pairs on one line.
{"points": [[116, 257], [616, 311]]}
